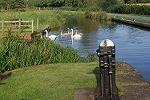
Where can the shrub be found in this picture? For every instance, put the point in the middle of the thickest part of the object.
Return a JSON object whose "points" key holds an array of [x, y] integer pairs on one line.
{"points": [[91, 57], [130, 9], [96, 15]]}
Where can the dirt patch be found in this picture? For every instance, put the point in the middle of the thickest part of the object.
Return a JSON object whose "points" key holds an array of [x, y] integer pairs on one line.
{"points": [[85, 94], [25, 36], [30, 35], [5, 76]]}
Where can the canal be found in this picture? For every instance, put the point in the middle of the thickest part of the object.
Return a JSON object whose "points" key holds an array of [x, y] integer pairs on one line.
{"points": [[132, 44]]}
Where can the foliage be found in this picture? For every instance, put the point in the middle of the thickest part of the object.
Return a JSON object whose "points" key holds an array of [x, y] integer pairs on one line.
{"points": [[130, 9], [136, 1], [91, 57], [107, 3], [52, 18], [85, 4], [96, 15], [16, 52], [55, 19], [16, 4], [53, 3], [4, 4], [120, 1], [41, 3], [12, 4], [57, 3]]}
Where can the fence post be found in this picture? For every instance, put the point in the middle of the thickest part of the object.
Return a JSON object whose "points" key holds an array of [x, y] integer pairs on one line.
{"points": [[2, 26], [37, 24], [107, 86], [32, 26], [19, 24]]}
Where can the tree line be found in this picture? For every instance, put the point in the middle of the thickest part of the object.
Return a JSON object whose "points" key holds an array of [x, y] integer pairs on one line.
{"points": [[16, 4], [136, 1], [12, 4]]}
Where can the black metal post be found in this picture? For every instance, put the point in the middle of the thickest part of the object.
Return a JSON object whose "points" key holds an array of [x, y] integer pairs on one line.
{"points": [[106, 54]]}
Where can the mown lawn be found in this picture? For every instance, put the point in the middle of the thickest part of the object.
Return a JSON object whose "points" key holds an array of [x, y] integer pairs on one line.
{"points": [[48, 82]]}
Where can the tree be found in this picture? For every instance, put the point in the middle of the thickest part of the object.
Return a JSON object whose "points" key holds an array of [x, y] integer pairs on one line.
{"points": [[5, 4], [42, 3], [57, 3], [16, 4], [107, 3]]}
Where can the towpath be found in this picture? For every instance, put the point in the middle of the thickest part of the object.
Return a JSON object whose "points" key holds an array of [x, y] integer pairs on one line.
{"points": [[138, 18]]}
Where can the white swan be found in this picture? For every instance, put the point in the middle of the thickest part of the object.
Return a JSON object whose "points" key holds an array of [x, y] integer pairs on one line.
{"points": [[52, 37], [76, 35]]}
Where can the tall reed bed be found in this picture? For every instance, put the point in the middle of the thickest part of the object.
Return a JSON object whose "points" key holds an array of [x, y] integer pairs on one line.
{"points": [[16, 52], [99, 15]]}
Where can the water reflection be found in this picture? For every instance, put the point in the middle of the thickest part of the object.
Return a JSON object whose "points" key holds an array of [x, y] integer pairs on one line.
{"points": [[132, 44]]}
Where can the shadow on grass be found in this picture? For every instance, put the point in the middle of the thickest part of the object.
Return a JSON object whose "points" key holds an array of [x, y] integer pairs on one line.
{"points": [[4, 77], [97, 72]]}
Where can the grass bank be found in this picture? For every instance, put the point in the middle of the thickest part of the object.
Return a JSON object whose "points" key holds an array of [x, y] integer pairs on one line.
{"points": [[16, 52], [131, 17], [49, 82], [130, 9], [53, 18], [60, 81]]}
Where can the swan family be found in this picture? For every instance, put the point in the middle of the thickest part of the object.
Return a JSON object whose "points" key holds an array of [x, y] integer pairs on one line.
{"points": [[74, 34], [65, 33]]}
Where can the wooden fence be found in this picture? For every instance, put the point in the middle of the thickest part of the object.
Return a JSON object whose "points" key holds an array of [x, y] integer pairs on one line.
{"points": [[18, 26]]}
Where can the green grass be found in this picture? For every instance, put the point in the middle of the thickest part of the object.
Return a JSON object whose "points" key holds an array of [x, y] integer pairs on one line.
{"points": [[56, 19], [48, 82], [52, 18], [16, 52], [120, 16], [129, 9]]}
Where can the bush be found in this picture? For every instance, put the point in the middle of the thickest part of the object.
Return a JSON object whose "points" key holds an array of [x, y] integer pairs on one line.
{"points": [[130, 9], [96, 15], [91, 57], [16, 52], [17, 4]]}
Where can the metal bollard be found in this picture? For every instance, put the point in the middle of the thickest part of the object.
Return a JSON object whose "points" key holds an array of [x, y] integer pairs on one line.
{"points": [[107, 87]]}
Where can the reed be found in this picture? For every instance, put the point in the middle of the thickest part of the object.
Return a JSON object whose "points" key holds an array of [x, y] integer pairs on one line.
{"points": [[16, 52], [100, 15]]}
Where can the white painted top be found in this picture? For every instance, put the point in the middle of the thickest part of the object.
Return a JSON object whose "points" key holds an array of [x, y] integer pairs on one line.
{"points": [[107, 42]]}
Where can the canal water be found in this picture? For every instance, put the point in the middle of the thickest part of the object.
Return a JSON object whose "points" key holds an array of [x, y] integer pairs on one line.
{"points": [[132, 44]]}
